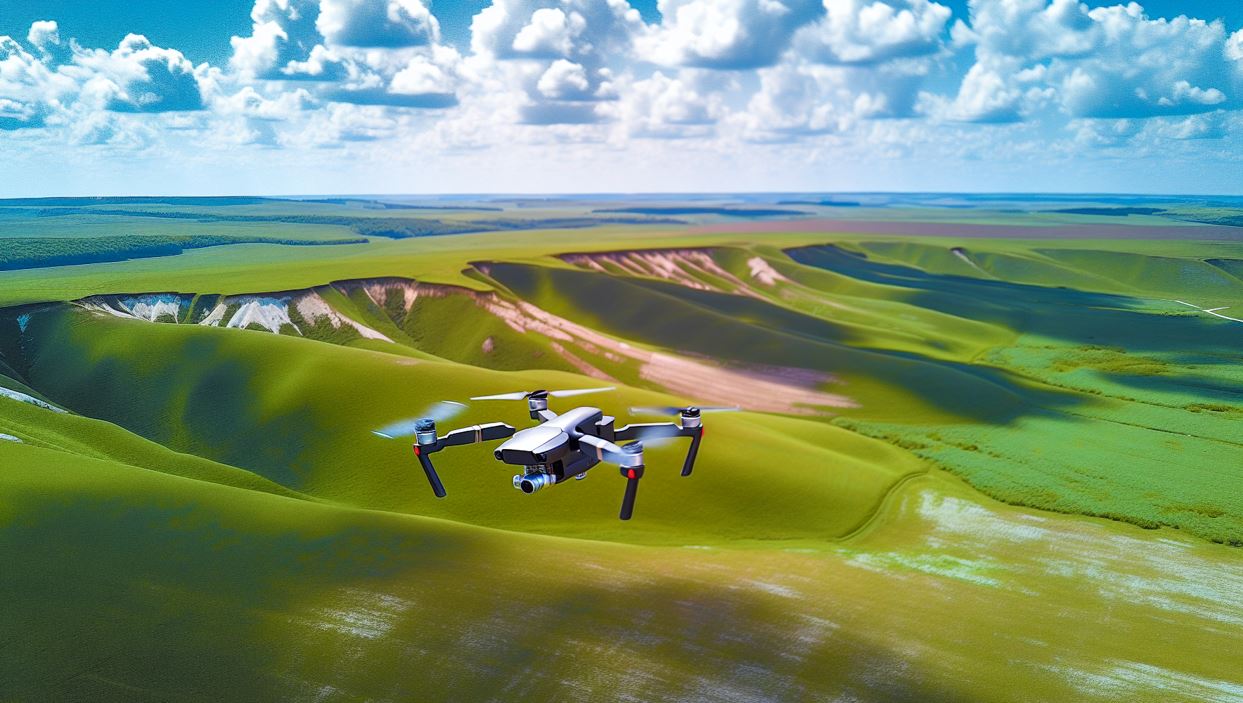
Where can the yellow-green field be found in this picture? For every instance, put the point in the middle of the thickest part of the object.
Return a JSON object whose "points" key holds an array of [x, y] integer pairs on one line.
{"points": [[996, 469]]}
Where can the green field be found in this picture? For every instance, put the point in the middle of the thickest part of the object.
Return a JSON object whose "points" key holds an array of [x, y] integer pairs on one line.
{"points": [[968, 468]]}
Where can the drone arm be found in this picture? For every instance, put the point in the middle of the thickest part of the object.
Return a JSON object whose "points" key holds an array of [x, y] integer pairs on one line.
{"points": [[629, 459], [601, 449], [475, 434], [467, 435], [667, 429]]}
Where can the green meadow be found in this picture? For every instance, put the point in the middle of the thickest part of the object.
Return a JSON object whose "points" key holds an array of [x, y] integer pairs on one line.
{"points": [[967, 467]]}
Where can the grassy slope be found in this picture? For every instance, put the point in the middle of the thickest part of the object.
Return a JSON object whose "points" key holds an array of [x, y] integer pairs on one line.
{"points": [[218, 592], [1015, 389], [138, 586], [744, 330], [250, 268], [298, 412], [1150, 438]]}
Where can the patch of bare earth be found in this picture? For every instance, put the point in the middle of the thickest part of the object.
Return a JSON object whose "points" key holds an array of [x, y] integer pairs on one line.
{"points": [[692, 268], [764, 388]]}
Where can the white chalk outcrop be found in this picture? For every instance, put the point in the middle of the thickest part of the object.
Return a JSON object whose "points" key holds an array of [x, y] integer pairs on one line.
{"points": [[693, 268], [29, 400], [152, 307], [764, 272], [272, 314], [269, 311]]}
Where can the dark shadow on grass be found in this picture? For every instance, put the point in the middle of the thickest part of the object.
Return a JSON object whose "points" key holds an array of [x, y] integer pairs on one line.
{"points": [[1061, 313], [151, 597], [200, 401], [741, 330], [154, 597], [1206, 388]]}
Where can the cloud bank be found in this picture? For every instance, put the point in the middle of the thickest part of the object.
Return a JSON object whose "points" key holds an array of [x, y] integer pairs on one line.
{"points": [[802, 87]]}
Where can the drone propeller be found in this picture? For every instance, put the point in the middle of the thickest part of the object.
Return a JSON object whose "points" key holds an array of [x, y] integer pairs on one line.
{"points": [[436, 412], [671, 410], [691, 426], [523, 395], [657, 435]]}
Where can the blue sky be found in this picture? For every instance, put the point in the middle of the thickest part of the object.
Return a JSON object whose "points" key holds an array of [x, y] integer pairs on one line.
{"points": [[335, 96]]}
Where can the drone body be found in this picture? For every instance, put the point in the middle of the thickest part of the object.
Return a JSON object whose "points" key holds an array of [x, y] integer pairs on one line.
{"points": [[562, 446]]}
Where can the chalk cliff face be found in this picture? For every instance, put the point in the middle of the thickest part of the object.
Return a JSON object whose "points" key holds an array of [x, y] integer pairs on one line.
{"points": [[286, 312], [294, 312], [693, 268], [512, 332]]}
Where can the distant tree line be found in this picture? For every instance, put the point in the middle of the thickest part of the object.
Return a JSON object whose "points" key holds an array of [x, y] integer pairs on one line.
{"points": [[24, 253], [389, 227]]}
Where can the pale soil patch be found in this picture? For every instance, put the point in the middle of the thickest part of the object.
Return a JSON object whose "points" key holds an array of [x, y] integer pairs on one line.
{"points": [[583, 367], [362, 614], [767, 389], [675, 265], [763, 272], [1171, 576], [313, 308], [380, 290], [150, 307], [29, 400], [215, 317], [1125, 680], [99, 304], [269, 313], [962, 254]]}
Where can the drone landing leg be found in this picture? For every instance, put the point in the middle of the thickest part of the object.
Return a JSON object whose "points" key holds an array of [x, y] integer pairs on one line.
{"points": [[632, 490], [693, 452], [432, 477]]}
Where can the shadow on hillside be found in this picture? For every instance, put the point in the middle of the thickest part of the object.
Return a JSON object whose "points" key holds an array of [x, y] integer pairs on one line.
{"points": [[129, 598], [738, 329], [181, 391], [1061, 313]]}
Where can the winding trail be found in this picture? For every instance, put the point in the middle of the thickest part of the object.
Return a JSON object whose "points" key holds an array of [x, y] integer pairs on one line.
{"points": [[1211, 311]]}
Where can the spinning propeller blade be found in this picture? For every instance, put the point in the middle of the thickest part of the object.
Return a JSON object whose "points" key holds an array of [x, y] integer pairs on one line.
{"points": [[657, 435], [438, 412], [523, 395], [580, 391], [670, 410], [520, 395]]}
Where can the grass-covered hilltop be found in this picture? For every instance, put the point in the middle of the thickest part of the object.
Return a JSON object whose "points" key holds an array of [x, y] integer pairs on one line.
{"points": [[991, 449]]}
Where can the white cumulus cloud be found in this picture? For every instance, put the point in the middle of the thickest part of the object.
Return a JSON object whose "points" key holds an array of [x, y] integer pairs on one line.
{"points": [[870, 31], [726, 34], [377, 23]]}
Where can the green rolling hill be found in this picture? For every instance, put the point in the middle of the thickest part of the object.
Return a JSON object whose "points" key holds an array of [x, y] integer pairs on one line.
{"points": [[947, 450]]}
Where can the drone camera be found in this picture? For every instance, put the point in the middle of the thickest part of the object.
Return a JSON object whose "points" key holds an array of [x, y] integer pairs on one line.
{"points": [[532, 482]]}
